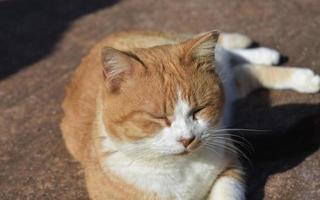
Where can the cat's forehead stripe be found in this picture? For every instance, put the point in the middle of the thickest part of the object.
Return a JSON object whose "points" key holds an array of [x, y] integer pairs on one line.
{"points": [[182, 106]]}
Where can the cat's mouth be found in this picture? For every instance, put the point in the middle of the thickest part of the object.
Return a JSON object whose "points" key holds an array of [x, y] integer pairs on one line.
{"points": [[191, 147]]}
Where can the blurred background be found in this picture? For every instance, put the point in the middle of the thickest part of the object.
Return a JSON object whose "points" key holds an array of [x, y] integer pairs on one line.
{"points": [[42, 42]]}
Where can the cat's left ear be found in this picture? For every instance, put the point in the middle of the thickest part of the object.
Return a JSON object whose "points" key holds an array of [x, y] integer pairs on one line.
{"points": [[201, 48]]}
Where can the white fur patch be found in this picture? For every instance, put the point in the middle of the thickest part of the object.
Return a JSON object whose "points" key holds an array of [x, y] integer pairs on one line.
{"points": [[261, 55], [227, 188], [184, 177], [227, 75], [305, 81]]}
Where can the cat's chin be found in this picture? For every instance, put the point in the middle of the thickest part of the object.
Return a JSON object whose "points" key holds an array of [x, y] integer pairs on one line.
{"points": [[177, 152], [184, 152]]}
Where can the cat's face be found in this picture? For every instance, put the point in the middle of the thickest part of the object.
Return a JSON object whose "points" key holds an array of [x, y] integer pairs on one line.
{"points": [[164, 98]]}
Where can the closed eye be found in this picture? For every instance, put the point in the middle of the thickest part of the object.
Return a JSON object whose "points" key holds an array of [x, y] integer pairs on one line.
{"points": [[193, 112], [163, 119]]}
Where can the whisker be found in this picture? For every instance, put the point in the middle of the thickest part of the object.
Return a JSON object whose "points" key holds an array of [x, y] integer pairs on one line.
{"points": [[246, 144], [240, 129], [221, 143]]}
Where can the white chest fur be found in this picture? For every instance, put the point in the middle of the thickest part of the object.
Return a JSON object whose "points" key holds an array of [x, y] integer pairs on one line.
{"points": [[184, 177]]}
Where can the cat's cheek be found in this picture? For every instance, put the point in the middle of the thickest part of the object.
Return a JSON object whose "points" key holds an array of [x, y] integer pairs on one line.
{"points": [[210, 119], [202, 125], [150, 128]]}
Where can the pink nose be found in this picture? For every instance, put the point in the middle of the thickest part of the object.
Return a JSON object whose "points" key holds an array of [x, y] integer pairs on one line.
{"points": [[186, 141]]}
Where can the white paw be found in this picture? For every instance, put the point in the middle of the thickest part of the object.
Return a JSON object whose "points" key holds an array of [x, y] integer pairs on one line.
{"points": [[267, 56], [235, 41], [305, 81]]}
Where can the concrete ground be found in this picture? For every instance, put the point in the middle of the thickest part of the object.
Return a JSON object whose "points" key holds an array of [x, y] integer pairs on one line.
{"points": [[42, 42]]}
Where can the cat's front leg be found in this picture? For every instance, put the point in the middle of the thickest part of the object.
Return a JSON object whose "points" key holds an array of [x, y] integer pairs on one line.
{"points": [[228, 186]]}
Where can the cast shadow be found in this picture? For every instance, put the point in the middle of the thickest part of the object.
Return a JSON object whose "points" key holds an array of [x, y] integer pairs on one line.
{"points": [[30, 29], [293, 135]]}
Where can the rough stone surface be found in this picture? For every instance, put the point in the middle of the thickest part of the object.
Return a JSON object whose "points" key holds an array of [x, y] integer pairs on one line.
{"points": [[42, 42]]}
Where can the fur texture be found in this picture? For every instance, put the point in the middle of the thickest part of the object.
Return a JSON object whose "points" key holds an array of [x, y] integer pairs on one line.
{"points": [[144, 110]]}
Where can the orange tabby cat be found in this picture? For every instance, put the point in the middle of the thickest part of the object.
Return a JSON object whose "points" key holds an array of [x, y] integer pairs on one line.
{"points": [[144, 111]]}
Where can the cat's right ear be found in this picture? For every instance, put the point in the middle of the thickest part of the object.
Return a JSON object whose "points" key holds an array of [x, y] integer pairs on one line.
{"points": [[117, 67], [201, 48]]}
